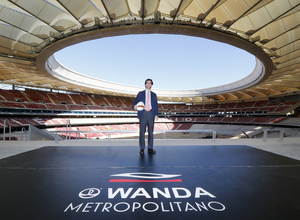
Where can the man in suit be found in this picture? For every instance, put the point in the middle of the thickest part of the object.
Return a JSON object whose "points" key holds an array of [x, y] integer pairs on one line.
{"points": [[147, 116]]}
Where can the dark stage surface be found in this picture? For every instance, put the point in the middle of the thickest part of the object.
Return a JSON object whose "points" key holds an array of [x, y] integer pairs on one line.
{"points": [[179, 182]]}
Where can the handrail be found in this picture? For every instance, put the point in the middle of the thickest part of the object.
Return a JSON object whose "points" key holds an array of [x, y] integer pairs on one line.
{"points": [[213, 132], [6, 120]]}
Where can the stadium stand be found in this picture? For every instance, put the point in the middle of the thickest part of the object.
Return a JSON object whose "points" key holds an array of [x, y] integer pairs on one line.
{"points": [[60, 98], [102, 130], [95, 107], [215, 119], [12, 95], [227, 105], [37, 96], [184, 126], [178, 116], [34, 105], [230, 119], [244, 104], [126, 103], [56, 106], [98, 100], [111, 108], [114, 102], [88, 129], [163, 109], [290, 121], [245, 119], [81, 99], [77, 107], [12, 105]]}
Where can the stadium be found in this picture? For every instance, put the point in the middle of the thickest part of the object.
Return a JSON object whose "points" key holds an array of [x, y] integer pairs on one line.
{"points": [[67, 135]]}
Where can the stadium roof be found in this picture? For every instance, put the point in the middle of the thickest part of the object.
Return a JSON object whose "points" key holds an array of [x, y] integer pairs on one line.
{"points": [[32, 31]]}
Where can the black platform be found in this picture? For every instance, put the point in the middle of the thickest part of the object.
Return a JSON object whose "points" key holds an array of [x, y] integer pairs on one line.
{"points": [[179, 182]]}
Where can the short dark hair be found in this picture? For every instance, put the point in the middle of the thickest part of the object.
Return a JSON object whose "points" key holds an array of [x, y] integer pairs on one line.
{"points": [[149, 80]]}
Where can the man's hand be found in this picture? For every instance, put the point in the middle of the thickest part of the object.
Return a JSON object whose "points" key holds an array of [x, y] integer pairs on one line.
{"points": [[156, 118], [135, 107]]}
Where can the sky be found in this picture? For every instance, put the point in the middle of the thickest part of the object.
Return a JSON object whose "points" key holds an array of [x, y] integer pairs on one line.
{"points": [[171, 61]]}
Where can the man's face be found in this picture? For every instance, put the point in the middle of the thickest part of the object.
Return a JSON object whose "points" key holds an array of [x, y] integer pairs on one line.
{"points": [[148, 84]]}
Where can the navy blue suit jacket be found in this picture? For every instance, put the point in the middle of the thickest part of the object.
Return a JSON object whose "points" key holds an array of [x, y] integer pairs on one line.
{"points": [[141, 97]]}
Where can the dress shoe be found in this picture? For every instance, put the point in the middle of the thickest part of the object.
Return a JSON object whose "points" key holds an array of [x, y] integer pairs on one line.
{"points": [[141, 152], [151, 151]]}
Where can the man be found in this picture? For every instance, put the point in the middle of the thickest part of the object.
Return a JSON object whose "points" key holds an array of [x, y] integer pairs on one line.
{"points": [[147, 116]]}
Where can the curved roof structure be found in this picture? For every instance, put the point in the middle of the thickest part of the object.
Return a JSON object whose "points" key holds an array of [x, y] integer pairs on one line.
{"points": [[32, 31]]}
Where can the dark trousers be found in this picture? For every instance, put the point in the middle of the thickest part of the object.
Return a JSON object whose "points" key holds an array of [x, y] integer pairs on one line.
{"points": [[147, 120]]}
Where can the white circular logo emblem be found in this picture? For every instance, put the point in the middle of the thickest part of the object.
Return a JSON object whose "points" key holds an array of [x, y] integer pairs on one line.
{"points": [[89, 193]]}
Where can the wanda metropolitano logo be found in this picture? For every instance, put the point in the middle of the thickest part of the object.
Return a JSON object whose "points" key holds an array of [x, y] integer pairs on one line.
{"points": [[145, 177], [142, 198]]}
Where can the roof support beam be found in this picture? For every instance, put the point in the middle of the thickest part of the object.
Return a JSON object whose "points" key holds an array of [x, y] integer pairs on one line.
{"points": [[4, 21], [244, 14], [290, 60], [286, 44], [16, 57], [24, 79], [20, 29], [20, 42], [20, 69], [287, 74], [289, 53], [13, 48], [177, 10], [207, 13], [243, 93], [142, 10], [223, 97], [233, 95], [59, 1], [108, 14], [256, 92], [274, 19], [282, 33], [289, 66], [33, 15]]}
